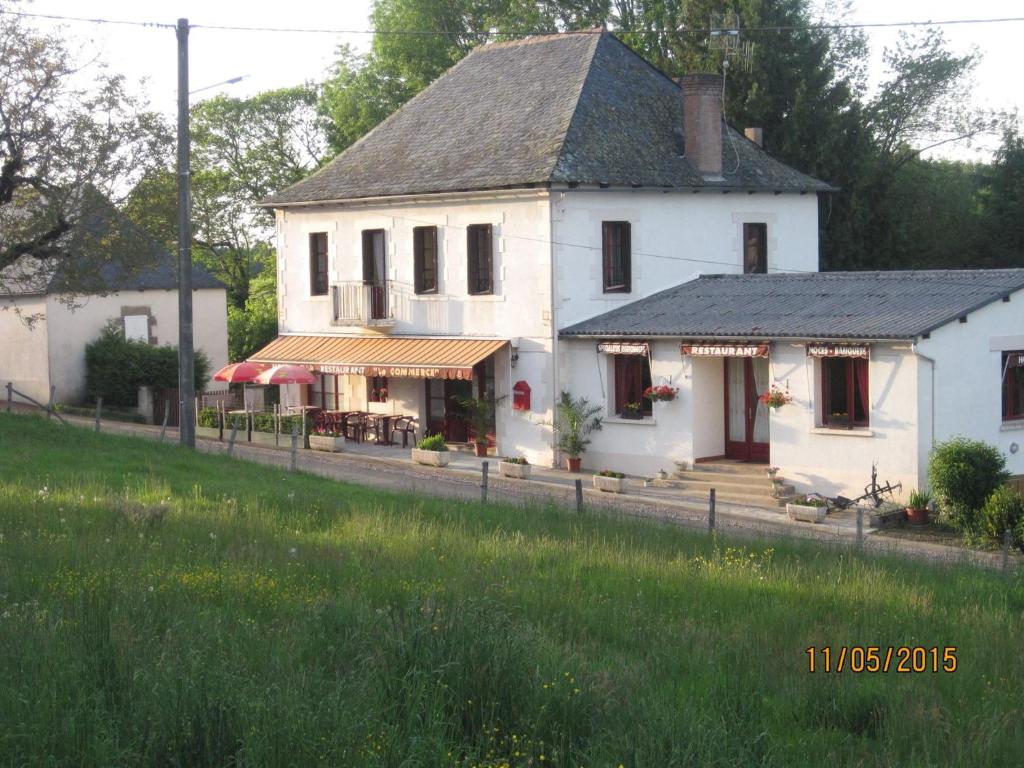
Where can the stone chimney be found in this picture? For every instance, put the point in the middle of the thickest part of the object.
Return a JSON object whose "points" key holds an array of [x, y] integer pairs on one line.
{"points": [[756, 135], [702, 122]]}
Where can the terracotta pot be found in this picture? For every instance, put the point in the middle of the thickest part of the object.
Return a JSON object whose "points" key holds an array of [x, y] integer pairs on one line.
{"points": [[917, 516], [481, 449], [573, 464]]}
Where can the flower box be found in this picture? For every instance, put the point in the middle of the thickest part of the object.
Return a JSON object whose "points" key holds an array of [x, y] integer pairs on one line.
{"points": [[806, 513], [512, 469], [211, 433], [431, 458], [329, 443], [610, 484]]}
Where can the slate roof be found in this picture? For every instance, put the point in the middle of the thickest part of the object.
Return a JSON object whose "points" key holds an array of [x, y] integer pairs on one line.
{"points": [[134, 262], [825, 305], [574, 108]]}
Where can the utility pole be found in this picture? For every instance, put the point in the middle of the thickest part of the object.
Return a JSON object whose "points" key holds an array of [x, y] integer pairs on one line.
{"points": [[186, 353]]}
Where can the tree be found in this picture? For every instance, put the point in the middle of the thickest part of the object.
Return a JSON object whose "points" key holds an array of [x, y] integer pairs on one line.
{"points": [[1003, 197], [243, 150], [63, 148], [255, 325]]}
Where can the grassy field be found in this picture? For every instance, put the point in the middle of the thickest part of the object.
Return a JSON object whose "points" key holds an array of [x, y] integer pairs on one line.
{"points": [[161, 608]]}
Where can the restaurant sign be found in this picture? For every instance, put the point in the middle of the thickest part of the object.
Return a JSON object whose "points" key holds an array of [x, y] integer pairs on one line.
{"points": [[398, 371], [726, 350], [624, 348], [838, 350]]}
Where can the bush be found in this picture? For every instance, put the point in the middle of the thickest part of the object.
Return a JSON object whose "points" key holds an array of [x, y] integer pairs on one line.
{"points": [[115, 368], [263, 422], [610, 473], [208, 417], [432, 443], [1003, 511], [963, 473]]}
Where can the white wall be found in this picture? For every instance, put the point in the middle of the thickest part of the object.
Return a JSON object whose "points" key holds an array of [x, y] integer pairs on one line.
{"points": [[839, 461], [667, 229], [23, 359], [968, 378], [71, 329], [519, 308]]}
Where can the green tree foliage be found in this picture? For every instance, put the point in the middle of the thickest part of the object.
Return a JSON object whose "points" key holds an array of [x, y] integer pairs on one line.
{"points": [[254, 325], [1004, 201], [116, 367]]}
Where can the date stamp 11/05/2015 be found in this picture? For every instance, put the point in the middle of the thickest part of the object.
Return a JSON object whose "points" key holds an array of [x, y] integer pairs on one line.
{"points": [[903, 659]]}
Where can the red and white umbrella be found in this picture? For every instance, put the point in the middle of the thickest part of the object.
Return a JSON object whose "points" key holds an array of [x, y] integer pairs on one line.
{"points": [[240, 373], [285, 374]]}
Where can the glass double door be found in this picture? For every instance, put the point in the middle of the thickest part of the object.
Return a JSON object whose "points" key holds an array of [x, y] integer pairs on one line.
{"points": [[746, 417]]}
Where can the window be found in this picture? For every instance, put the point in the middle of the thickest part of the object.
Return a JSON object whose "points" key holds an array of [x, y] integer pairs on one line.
{"points": [[377, 389], [323, 393], [844, 392], [480, 265], [374, 266], [616, 250], [1013, 385], [755, 249], [136, 328], [632, 377], [424, 258], [318, 264]]}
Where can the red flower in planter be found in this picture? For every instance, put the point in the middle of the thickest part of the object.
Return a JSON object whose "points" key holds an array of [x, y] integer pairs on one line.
{"points": [[775, 397], [661, 392]]}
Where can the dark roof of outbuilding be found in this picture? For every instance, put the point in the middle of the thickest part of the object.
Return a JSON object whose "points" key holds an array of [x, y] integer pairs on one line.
{"points": [[122, 257], [574, 108], [824, 305]]}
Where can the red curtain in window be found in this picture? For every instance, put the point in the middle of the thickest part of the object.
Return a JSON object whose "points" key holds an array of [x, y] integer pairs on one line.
{"points": [[860, 374], [622, 377]]}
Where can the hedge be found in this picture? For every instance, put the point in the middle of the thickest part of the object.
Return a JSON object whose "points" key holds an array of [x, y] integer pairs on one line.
{"points": [[115, 368]]}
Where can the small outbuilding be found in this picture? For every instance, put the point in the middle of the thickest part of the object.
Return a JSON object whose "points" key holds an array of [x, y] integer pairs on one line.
{"points": [[820, 374]]}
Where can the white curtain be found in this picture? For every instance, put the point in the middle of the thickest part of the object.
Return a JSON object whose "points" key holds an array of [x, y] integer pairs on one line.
{"points": [[737, 399], [761, 385]]}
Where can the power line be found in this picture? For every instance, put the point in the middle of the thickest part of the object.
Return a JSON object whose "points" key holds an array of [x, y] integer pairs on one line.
{"points": [[496, 33]]}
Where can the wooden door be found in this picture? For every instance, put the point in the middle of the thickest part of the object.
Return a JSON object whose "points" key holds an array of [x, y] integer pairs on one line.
{"points": [[746, 417], [444, 416]]}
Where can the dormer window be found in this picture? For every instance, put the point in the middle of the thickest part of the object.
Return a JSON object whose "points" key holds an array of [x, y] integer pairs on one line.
{"points": [[616, 256]]}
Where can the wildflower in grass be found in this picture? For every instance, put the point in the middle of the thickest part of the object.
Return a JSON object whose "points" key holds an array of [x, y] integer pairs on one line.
{"points": [[213, 535], [293, 552]]}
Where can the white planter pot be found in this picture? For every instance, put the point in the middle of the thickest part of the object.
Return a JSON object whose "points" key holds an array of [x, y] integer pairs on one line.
{"points": [[609, 484], [508, 469], [326, 443], [431, 458], [805, 513]]}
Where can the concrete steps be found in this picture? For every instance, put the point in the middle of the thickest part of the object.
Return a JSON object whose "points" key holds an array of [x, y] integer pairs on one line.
{"points": [[733, 481]]}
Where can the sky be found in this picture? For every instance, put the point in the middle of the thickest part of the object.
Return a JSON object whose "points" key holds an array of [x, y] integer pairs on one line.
{"points": [[272, 60]]}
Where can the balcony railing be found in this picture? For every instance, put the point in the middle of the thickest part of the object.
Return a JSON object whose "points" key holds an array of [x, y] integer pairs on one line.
{"points": [[363, 304]]}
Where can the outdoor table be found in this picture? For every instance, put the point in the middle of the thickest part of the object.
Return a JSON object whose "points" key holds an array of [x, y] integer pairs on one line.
{"points": [[381, 426]]}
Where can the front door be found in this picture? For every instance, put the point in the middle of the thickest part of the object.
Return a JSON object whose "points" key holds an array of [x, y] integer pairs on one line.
{"points": [[444, 416], [746, 417]]}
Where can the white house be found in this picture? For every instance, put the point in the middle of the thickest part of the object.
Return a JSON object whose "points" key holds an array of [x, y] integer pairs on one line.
{"points": [[46, 319], [534, 185], [878, 366]]}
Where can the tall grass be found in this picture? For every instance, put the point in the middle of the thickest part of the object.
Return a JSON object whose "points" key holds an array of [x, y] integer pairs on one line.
{"points": [[163, 608]]}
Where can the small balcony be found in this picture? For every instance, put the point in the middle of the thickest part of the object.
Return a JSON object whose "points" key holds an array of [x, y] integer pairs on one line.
{"points": [[367, 305]]}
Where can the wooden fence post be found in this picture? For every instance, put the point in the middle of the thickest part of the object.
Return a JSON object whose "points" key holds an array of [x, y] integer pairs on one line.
{"points": [[483, 484], [167, 413], [99, 407], [234, 434], [711, 510], [295, 446], [1007, 539], [579, 495], [49, 405], [860, 527], [10, 396]]}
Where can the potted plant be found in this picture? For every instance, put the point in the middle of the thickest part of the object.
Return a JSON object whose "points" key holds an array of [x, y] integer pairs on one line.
{"points": [[662, 393], [514, 466], [811, 509], [432, 452], [775, 398], [575, 419], [480, 413], [839, 420], [917, 507], [631, 411], [380, 395], [610, 482], [324, 439]]}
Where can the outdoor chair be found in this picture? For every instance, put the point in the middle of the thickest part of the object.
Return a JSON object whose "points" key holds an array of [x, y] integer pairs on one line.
{"points": [[407, 426]]}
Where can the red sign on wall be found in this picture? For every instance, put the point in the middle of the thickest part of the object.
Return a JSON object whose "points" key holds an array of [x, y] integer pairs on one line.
{"points": [[521, 396]]}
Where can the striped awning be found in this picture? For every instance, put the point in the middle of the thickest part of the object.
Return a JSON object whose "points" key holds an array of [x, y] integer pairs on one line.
{"points": [[421, 357]]}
